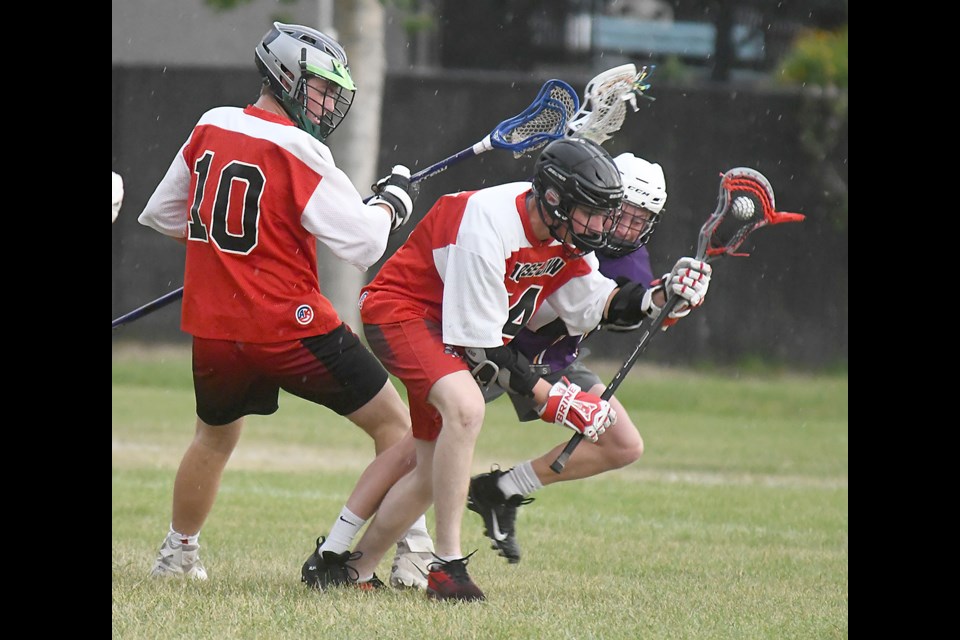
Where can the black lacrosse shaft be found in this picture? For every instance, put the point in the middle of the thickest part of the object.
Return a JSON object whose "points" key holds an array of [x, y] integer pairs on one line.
{"points": [[561, 461]]}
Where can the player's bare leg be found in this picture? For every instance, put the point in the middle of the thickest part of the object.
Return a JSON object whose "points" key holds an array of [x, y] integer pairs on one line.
{"points": [[620, 446], [497, 495], [194, 491], [198, 477]]}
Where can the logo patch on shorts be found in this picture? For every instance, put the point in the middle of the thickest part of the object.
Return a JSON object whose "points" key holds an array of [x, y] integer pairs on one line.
{"points": [[304, 314], [363, 296]]}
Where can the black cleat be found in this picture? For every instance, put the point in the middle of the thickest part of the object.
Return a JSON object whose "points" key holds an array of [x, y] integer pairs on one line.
{"points": [[448, 580], [499, 513], [328, 569]]}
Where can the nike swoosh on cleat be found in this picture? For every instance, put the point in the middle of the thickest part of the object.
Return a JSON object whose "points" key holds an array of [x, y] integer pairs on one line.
{"points": [[497, 535]]}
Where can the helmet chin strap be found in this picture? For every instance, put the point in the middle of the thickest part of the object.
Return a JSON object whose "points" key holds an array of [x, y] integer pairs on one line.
{"points": [[572, 249]]}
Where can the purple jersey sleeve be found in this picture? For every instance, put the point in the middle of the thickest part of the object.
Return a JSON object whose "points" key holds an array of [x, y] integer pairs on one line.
{"points": [[550, 345], [633, 266]]}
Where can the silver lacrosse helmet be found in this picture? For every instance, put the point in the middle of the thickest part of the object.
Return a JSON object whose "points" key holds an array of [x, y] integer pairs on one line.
{"points": [[572, 173], [287, 56], [644, 195]]}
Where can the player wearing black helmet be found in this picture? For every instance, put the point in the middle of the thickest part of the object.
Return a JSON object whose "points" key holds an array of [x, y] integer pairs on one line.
{"points": [[555, 354], [574, 173], [442, 311]]}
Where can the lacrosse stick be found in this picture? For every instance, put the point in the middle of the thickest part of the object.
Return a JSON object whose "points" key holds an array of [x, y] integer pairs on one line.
{"points": [[747, 196], [543, 121], [605, 102]]}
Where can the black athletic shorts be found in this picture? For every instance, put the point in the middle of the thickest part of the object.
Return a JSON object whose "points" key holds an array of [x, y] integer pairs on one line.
{"points": [[235, 379]]}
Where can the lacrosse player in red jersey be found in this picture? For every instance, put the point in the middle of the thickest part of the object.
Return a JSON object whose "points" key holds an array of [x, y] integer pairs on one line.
{"points": [[250, 193], [553, 354], [442, 310]]}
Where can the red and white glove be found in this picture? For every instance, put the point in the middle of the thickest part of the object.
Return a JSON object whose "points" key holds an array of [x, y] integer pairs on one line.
{"points": [[583, 412], [689, 279]]}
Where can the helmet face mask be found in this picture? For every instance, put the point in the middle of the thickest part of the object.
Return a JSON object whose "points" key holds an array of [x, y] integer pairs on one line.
{"points": [[290, 59], [644, 197], [634, 228], [578, 192]]}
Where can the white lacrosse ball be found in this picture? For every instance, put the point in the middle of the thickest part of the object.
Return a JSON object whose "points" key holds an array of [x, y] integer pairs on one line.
{"points": [[742, 208], [117, 194]]}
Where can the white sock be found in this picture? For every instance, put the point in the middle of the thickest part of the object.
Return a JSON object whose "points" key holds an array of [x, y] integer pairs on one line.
{"points": [[520, 480], [182, 539], [344, 530]]}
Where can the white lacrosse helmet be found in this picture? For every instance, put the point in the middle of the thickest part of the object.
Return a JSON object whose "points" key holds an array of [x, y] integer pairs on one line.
{"points": [[644, 187]]}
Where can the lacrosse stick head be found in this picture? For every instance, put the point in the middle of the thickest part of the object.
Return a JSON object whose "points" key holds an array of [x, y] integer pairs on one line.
{"points": [[543, 121], [605, 102], [744, 204]]}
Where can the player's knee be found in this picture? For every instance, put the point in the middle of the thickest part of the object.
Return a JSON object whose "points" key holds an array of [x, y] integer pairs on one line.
{"points": [[459, 401], [627, 445], [467, 414], [627, 451], [221, 439], [406, 453]]}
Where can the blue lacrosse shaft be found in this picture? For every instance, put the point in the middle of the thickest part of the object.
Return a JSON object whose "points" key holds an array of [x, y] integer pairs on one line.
{"points": [[162, 301], [496, 139]]}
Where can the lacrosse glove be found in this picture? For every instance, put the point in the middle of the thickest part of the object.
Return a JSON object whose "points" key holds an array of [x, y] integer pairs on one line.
{"points": [[585, 413], [397, 192]]}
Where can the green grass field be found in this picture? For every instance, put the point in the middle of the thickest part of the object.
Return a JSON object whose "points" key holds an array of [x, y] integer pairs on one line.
{"points": [[734, 524]]}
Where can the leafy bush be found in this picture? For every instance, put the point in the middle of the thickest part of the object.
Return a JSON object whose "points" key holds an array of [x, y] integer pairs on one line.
{"points": [[818, 58]]}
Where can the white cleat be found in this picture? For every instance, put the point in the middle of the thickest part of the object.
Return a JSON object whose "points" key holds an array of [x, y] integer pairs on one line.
{"points": [[409, 570], [178, 560]]}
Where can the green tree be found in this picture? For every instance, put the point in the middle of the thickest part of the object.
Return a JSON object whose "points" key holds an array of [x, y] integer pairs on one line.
{"points": [[818, 62]]}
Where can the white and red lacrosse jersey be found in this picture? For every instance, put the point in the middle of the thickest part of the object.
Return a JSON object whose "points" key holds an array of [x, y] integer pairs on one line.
{"points": [[474, 265], [252, 194]]}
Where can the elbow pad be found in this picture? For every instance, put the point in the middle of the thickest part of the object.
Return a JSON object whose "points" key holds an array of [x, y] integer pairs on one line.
{"points": [[630, 305], [503, 366]]}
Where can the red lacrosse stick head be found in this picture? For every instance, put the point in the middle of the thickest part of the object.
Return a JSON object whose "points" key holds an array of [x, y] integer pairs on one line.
{"points": [[745, 203]]}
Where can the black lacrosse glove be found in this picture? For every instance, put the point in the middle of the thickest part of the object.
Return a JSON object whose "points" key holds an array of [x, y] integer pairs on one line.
{"points": [[399, 193]]}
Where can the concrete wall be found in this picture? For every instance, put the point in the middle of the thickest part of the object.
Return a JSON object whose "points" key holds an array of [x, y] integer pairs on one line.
{"points": [[787, 302], [189, 33]]}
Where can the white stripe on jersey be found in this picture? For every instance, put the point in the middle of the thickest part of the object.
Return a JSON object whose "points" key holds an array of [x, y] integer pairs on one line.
{"points": [[475, 300], [335, 214]]}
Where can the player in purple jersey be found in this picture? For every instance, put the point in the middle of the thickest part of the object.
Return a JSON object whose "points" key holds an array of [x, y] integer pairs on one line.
{"points": [[553, 354]]}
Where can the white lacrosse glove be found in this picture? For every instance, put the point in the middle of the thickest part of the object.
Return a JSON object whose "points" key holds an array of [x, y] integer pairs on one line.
{"points": [[585, 413], [117, 195], [397, 192], [689, 279]]}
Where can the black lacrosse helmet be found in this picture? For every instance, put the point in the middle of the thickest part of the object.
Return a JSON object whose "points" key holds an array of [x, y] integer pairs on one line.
{"points": [[576, 172]]}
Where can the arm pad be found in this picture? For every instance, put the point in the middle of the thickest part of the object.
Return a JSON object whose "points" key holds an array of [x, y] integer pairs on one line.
{"points": [[503, 366], [627, 309]]}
